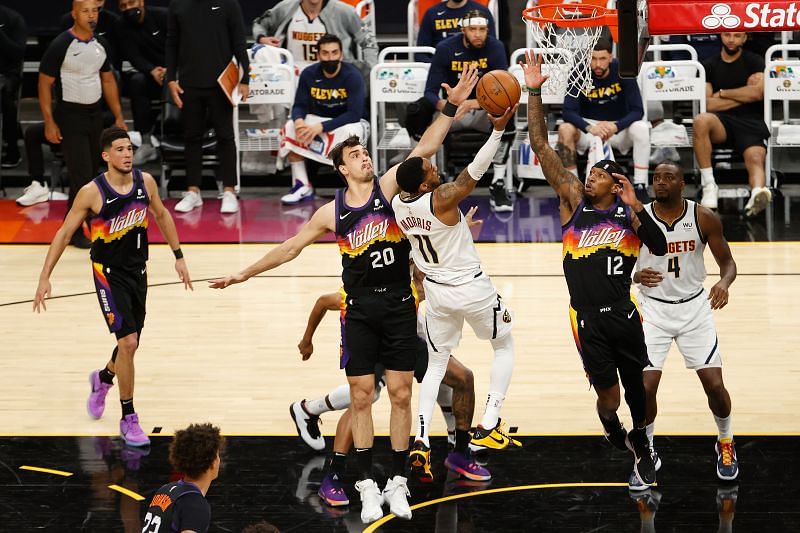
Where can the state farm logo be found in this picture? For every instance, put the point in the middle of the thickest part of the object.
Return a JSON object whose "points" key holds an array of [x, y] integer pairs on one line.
{"points": [[721, 17]]}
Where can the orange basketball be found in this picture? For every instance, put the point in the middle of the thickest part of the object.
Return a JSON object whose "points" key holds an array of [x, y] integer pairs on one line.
{"points": [[497, 90]]}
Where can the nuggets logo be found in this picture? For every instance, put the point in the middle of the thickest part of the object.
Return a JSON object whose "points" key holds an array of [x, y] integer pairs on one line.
{"points": [[110, 318], [506, 317]]}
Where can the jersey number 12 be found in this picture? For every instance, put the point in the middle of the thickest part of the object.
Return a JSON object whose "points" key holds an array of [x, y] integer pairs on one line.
{"points": [[614, 265]]}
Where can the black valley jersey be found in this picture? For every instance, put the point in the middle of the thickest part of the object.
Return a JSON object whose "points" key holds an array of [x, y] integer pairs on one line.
{"points": [[119, 230], [374, 250], [178, 506], [599, 254]]}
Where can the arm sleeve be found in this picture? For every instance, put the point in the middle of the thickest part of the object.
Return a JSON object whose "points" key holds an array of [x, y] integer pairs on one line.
{"points": [[131, 51], [436, 75], [173, 36], [53, 57], [650, 235], [12, 40], [302, 97], [238, 43], [355, 104], [193, 513], [572, 113], [634, 99]]}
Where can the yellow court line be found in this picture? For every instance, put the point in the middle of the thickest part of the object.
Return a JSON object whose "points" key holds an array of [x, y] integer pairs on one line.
{"points": [[46, 470], [375, 525], [294, 435], [136, 496]]}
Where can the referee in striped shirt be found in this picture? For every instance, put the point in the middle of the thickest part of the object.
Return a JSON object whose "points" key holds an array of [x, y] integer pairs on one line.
{"points": [[73, 75]]}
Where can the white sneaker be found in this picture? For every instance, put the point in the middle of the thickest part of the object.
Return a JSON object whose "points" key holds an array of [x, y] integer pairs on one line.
{"points": [[298, 193], [307, 426], [144, 154], [396, 495], [35, 193], [230, 204], [190, 200], [58, 195], [371, 500], [759, 198], [710, 196]]}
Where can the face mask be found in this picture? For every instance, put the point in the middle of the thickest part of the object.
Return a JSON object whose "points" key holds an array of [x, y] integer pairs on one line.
{"points": [[329, 67], [132, 15]]}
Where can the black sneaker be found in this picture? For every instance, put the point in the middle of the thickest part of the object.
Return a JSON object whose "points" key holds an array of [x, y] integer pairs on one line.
{"points": [[644, 465], [11, 159], [641, 193], [501, 200], [615, 433]]}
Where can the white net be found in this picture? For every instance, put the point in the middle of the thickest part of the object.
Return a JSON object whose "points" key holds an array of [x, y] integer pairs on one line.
{"points": [[566, 50]]}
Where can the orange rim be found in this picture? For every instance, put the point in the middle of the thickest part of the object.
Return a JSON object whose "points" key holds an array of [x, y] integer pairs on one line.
{"points": [[549, 14]]}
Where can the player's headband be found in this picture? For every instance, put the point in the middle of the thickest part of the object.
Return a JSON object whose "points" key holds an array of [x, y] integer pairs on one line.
{"points": [[474, 21], [609, 166]]}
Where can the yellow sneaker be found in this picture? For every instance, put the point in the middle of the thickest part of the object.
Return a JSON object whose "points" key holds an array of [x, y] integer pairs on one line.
{"points": [[420, 459], [495, 438]]}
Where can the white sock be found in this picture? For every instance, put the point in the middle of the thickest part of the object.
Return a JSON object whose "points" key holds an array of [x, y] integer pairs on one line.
{"points": [[650, 430], [445, 401], [500, 379], [640, 176], [707, 176], [336, 400], [499, 173], [428, 392], [299, 173], [724, 427]]}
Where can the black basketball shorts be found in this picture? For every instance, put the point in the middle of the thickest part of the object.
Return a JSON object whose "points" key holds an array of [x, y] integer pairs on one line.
{"points": [[122, 294]]}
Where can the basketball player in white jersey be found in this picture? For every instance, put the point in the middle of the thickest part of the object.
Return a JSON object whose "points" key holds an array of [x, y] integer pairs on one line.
{"points": [[456, 290], [676, 307]]}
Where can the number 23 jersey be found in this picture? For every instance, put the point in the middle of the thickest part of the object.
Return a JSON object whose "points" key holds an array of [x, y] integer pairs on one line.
{"points": [[600, 248], [374, 251]]}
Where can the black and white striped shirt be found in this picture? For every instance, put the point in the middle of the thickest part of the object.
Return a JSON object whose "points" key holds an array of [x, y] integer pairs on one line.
{"points": [[76, 65]]}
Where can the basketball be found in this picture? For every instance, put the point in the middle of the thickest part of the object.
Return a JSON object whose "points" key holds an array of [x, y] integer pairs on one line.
{"points": [[498, 90]]}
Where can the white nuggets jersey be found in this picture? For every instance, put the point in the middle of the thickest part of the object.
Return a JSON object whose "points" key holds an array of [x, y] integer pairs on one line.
{"points": [[683, 266], [446, 254], [302, 36]]}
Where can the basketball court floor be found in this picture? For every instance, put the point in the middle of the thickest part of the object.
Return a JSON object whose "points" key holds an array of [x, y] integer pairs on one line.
{"points": [[230, 357]]}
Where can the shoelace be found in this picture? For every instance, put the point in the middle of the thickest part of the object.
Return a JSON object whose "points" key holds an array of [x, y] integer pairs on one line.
{"points": [[726, 450]]}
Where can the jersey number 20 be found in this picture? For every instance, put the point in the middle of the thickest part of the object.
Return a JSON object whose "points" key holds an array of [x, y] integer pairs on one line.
{"points": [[382, 258]]}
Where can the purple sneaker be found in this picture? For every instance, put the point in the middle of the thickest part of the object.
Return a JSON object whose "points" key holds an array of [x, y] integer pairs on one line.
{"points": [[332, 491], [131, 431], [467, 467], [96, 403]]}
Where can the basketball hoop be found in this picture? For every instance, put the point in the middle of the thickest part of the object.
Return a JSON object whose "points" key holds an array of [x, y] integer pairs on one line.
{"points": [[567, 34]]}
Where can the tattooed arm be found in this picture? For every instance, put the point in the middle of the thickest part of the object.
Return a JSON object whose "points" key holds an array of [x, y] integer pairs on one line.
{"points": [[565, 183]]}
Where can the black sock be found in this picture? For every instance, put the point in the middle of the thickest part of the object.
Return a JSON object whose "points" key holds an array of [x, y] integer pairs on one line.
{"points": [[462, 440], [114, 355], [610, 425], [364, 460], [399, 462], [107, 376], [337, 464], [634, 394], [127, 407]]}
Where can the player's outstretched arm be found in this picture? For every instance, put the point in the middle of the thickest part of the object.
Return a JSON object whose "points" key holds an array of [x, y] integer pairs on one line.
{"points": [[433, 137], [321, 223], [167, 226], [446, 197], [565, 183], [646, 228], [711, 228], [325, 303], [81, 208]]}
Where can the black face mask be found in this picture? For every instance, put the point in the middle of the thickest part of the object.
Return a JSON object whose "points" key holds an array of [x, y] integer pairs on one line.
{"points": [[132, 16], [329, 67]]}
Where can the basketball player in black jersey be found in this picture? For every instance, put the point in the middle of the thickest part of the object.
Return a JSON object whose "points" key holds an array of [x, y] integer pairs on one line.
{"points": [[181, 506], [116, 203], [379, 320], [603, 226]]}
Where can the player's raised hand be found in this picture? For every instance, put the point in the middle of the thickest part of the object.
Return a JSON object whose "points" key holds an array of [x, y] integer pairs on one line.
{"points": [[718, 295], [500, 122], [183, 273], [627, 194], [221, 283], [532, 68], [470, 217], [649, 277], [467, 82], [306, 348], [42, 292]]}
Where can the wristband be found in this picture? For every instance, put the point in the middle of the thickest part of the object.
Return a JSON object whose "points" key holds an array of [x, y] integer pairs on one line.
{"points": [[178, 254], [449, 109], [535, 92]]}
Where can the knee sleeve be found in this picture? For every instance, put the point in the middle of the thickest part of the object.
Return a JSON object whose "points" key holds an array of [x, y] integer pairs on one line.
{"points": [[633, 384]]}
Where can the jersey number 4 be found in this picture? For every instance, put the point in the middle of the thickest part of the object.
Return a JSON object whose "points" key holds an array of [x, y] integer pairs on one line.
{"points": [[423, 242], [152, 523], [673, 266]]}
